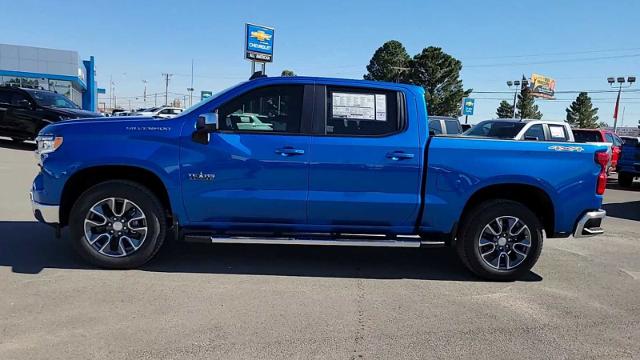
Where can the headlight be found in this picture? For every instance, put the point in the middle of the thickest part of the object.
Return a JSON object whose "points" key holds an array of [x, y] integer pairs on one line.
{"points": [[48, 143]]}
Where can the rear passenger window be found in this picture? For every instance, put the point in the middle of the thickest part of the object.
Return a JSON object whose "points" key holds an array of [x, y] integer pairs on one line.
{"points": [[535, 132], [361, 112], [453, 127], [556, 132]]}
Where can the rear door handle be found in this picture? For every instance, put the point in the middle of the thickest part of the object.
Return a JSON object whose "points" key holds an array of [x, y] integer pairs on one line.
{"points": [[289, 151], [399, 155]]}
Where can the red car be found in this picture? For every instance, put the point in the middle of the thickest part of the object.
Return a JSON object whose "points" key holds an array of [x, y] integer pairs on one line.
{"points": [[601, 135]]}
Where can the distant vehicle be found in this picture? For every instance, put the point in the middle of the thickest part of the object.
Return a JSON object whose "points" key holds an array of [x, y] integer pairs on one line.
{"points": [[522, 129], [443, 125], [24, 112], [629, 162], [164, 112], [601, 135]]}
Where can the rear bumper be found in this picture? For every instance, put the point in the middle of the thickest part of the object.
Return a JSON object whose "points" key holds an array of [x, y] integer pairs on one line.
{"points": [[49, 214], [590, 224]]}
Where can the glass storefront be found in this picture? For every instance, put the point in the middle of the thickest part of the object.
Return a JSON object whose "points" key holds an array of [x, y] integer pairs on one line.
{"points": [[65, 88]]}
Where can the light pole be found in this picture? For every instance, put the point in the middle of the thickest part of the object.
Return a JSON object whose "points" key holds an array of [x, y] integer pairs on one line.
{"points": [[518, 85], [621, 84], [144, 97]]}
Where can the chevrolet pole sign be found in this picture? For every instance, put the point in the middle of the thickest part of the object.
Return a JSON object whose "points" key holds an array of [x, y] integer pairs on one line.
{"points": [[258, 45]]}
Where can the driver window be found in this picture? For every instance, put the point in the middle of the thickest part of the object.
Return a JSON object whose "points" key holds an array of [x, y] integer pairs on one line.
{"points": [[276, 109]]}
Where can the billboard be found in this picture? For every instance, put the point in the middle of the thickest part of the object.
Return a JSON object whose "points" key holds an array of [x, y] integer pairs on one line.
{"points": [[258, 43], [542, 86]]}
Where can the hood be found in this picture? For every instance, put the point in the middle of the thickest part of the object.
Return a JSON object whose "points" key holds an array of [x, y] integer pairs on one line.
{"points": [[97, 124], [76, 113]]}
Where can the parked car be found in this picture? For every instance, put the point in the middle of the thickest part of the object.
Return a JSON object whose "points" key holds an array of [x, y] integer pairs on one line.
{"points": [[443, 125], [163, 112], [522, 129], [24, 112], [601, 135], [629, 163], [342, 162]]}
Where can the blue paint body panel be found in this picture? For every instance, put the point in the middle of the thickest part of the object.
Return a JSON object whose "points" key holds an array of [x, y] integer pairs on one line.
{"points": [[335, 184]]}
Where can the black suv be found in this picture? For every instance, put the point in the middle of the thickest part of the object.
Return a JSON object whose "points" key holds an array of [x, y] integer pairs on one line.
{"points": [[23, 112]]}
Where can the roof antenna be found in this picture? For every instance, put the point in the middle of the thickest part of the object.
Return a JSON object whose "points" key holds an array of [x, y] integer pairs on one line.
{"points": [[257, 75]]}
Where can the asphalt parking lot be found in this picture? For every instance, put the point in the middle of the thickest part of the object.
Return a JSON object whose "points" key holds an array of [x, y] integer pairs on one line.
{"points": [[582, 300]]}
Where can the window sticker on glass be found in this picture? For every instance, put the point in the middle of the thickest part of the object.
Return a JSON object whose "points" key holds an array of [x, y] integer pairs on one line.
{"points": [[381, 107], [359, 106], [556, 131]]}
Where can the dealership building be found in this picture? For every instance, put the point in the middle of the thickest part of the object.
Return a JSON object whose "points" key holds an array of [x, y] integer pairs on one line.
{"points": [[61, 71]]}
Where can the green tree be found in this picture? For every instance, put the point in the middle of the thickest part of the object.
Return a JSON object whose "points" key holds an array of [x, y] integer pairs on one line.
{"points": [[526, 107], [389, 63], [505, 110], [439, 74], [581, 113], [287, 73]]}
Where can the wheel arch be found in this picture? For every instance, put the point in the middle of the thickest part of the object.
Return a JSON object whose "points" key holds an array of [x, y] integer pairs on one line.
{"points": [[82, 180], [535, 198]]}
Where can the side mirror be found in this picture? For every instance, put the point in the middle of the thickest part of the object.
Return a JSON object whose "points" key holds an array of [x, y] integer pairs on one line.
{"points": [[207, 122], [205, 125], [25, 104], [432, 133]]}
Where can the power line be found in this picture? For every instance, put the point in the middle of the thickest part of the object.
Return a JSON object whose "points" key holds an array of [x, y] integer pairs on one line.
{"points": [[553, 61], [550, 54]]}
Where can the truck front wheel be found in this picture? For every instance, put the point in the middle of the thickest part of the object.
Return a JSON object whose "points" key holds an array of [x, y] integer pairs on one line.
{"points": [[117, 225], [500, 240]]}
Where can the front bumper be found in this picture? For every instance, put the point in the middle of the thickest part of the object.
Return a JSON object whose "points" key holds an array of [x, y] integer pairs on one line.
{"points": [[590, 224], [49, 214]]}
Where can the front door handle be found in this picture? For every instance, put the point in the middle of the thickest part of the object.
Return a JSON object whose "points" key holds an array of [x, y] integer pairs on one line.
{"points": [[289, 151], [399, 155]]}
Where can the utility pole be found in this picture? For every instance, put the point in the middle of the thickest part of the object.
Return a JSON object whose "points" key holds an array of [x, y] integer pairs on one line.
{"points": [[110, 90], [144, 97], [518, 85], [166, 87], [400, 69], [621, 84], [155, 100], [191, 87]]}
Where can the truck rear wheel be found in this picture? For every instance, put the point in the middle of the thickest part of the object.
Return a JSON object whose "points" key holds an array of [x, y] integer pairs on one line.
{"points": [[625, 179], [500, 240], [117, 225]]}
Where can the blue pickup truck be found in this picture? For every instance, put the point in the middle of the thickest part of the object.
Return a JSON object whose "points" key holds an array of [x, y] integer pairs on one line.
{"points": [[313, 161]]}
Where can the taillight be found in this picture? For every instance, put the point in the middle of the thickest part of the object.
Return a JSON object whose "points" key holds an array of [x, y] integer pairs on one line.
{"points": [[602, 159]]}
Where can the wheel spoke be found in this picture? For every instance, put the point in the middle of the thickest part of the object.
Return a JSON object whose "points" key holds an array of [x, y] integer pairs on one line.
{"points": [[504, 242]]}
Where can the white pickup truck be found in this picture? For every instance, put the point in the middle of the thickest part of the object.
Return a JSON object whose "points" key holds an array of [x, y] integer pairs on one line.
{"points": [[523, 129]]}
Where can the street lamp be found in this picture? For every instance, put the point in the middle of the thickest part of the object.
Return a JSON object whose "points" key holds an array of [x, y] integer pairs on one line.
{"points": [[519, 85], [622, 83]]}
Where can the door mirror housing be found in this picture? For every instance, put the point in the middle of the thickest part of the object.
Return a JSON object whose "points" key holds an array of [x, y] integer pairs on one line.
{"points": [[205, 125]]}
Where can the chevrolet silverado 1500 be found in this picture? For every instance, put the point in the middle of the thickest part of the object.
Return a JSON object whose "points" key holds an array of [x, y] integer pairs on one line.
{"points": [[313, 161]]}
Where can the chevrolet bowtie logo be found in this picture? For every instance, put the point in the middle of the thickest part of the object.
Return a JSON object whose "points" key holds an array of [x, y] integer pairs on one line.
{"points": [[260, 35]]}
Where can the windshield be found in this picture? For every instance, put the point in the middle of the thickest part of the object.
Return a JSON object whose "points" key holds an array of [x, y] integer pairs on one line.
{"points": [[210, 98], [51, 99], [496, 128]]}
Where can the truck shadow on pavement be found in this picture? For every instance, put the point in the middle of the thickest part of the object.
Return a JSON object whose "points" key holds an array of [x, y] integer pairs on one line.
{"points": [[30, 247], [8, 144]]}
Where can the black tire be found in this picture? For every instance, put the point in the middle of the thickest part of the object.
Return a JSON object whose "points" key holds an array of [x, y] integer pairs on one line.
{"points": [[473, 225], [625, 179], [156, 223]]}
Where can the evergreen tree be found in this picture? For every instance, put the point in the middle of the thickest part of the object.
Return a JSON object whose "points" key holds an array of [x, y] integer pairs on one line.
{"points": [[526, 107], [388, 63], [287, 73], [505, 110], [582, 114], [439, 74]]}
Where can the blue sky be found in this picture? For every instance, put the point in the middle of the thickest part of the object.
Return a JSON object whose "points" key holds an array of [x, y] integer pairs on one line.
{"points": [[579, 43]]}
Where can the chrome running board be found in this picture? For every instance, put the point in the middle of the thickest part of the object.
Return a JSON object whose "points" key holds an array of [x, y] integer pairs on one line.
{"points": [[382, 242]]}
